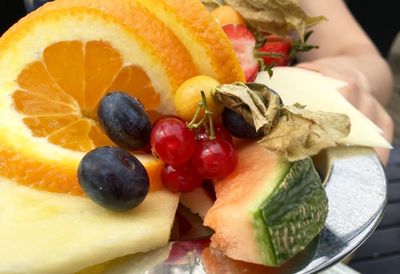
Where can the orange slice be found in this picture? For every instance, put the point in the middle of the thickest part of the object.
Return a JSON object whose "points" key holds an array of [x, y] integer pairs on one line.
{"points": [[208, 45], [58, 62]]}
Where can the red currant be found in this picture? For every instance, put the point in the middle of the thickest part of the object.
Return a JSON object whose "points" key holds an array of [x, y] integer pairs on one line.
{"points": [[215, 158], [165, 117], [223, 133], [172, 141], [180, 178], [220, 132]]}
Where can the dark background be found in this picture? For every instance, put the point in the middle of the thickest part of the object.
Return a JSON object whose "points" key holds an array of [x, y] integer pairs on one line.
{"points": [[381, 19]]}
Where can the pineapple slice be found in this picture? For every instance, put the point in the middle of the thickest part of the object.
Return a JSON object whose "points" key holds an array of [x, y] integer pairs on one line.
{"points": [[43, 232]]}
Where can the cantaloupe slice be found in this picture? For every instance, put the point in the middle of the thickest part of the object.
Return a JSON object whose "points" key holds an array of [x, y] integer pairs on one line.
{"points": [[268, 209]]}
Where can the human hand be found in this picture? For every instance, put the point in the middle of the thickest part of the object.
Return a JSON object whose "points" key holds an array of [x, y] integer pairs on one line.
{"points": [[357, 92]]}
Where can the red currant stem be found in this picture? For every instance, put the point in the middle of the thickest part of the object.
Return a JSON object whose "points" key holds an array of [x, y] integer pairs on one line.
{"points": [[192, 123], [210, 121], [197, 125], [208, 114]]}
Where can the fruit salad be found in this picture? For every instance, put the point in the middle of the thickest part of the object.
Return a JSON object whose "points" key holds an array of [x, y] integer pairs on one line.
{"points": [[114, 112]]}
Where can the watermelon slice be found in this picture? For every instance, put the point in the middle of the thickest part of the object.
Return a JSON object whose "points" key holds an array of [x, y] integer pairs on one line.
{"points": [[268, 209]]}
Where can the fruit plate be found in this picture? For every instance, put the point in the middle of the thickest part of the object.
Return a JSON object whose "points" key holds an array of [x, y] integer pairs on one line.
{"points": [[356, 187]]}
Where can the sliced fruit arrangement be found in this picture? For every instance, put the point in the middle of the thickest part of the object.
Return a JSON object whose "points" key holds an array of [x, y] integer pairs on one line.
{"points": [[270, 207], [86, 84], [57, 64], [50, 93]]}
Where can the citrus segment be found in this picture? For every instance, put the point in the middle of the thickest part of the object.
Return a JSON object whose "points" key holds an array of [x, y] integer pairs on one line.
{"points": [[42, 126], [75, 136], [134, 81], [102, 64], [65, 62], [98, 137], [36, 79], [33, 104]]}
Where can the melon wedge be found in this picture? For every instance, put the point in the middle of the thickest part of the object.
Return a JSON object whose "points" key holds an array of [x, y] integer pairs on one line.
{"points": [[320, 93], [47, 233], [268, 209]]}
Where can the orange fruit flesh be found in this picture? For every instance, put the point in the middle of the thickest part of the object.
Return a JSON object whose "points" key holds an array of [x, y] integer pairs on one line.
{"points": [[59, 94], [58, 97]]}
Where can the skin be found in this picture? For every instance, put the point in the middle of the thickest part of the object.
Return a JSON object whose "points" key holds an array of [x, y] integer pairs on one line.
{"points": [[346, 53]]}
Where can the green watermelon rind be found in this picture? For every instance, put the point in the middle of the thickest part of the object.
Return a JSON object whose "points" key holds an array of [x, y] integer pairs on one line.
{"points": [[292, 215]]}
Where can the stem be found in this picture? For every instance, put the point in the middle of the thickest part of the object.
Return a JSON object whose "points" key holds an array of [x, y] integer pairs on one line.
{"points": [[196, 115], [208, 114], [197, 125]]}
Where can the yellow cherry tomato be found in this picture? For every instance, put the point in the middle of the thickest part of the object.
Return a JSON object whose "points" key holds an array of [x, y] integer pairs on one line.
{"points": [[188, 96], [225, 15]]}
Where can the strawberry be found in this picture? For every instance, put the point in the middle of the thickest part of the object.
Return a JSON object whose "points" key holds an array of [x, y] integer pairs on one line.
{"points": [[275, 51], [244, 42], [262, 52], [284, 48]]}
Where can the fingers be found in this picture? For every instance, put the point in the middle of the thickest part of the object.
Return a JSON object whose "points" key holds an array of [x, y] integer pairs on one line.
{"points": [[351, 93], [309, 66]]}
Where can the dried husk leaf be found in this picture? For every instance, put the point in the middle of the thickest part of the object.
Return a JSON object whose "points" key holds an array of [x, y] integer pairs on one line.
{"points": [[212, 4], [275, 16], [300, 133], [258, 105]]}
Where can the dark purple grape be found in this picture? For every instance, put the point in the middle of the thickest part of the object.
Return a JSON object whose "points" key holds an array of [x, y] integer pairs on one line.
{"points": [[113, 178], [124, 120], [237, 125]]}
